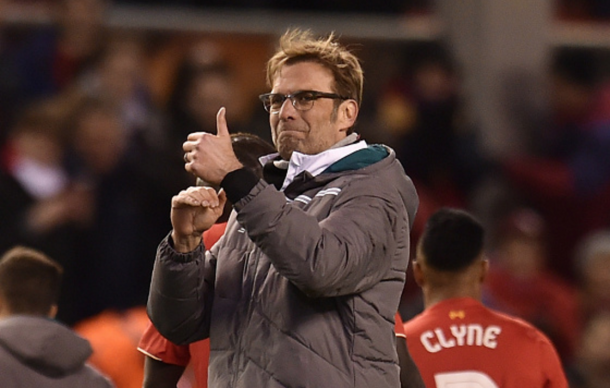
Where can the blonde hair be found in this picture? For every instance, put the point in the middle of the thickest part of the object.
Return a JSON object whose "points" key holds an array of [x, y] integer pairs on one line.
{"points": [[301, 46]]}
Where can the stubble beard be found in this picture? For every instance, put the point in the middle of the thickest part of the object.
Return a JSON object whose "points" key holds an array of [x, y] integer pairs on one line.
{"points": [[286, 145]]}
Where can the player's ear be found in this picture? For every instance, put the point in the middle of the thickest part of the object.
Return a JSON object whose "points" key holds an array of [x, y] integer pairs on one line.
{"points": [[484, 269], [418, 274]]}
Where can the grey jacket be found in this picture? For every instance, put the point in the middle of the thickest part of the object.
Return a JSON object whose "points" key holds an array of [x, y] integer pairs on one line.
{"points": [[302, 289], [39, 352]]}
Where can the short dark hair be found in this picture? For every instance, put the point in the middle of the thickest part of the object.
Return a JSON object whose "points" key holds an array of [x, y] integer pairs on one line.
{"points": [[452, 239], [248, 148], [29, 281]]}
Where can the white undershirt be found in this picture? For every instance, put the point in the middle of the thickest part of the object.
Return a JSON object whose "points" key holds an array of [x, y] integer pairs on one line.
{"points": [[314, 164]]}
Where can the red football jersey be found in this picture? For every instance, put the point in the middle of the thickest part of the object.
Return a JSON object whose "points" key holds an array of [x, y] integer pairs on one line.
{"points": [[461, 343], [156, 346]]}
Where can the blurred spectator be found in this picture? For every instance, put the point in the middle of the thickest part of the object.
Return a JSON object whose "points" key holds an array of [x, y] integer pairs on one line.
{"points": [[422, 110], [120, 76], [36, 351], [520, 284], [40, 205], [590, 369], [204, 81], [52, 56], [568, 178], [593, 269], [200, 91], [128, 217], [420, 114]]}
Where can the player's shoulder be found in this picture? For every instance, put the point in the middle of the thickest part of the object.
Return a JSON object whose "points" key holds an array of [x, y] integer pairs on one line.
{"points": [[518, 326], [412, 325], [450, 311]]}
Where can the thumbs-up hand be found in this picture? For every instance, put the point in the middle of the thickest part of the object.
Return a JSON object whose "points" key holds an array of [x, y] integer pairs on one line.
{"points": [[211, 157]]}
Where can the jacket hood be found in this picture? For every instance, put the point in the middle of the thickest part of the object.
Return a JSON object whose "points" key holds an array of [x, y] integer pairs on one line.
{"points": [[44, 345], [360, 159]]}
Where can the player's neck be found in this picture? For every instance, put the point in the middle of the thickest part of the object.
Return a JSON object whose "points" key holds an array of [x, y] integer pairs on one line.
{"points": [[436, 294]]}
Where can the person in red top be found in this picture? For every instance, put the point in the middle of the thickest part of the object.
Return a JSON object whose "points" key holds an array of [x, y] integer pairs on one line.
{"points": [[456, 340]]}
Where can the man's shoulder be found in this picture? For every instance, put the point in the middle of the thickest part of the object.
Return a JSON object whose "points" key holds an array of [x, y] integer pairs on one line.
{"points": [[15, 373], [94, 378], [385, 174], [361, 158]]}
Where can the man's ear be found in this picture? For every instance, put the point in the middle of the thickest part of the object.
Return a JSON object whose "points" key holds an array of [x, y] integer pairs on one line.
{"points": [[418, 274], [348, 113]]}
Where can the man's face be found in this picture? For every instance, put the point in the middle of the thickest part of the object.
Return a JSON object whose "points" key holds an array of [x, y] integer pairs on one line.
{"points": [[313, 131]]}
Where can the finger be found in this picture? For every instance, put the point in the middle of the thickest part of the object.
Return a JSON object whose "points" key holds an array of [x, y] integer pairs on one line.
{"points": [[183, 199], [188, 197], [189, 145], [194, 136], [205, 196], [221, 123], [189, 200]]}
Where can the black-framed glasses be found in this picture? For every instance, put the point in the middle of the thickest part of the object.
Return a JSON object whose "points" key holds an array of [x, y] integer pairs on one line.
{"points": [[302, 100]]}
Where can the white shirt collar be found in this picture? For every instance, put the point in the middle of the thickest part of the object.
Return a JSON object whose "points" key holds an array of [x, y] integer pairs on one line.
{"points": [[314, 164]]}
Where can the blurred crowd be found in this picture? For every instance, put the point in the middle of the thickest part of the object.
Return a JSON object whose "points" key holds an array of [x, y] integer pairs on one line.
{"points": [[92, 120]]}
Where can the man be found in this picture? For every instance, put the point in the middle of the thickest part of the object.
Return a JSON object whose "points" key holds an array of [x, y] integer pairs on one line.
{"points": [[303, 287], [36, 351], [457, 341]]}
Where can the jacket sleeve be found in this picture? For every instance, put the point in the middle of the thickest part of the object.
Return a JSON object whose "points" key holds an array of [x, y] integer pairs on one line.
{"points": [[181, 293], [347, 252]]}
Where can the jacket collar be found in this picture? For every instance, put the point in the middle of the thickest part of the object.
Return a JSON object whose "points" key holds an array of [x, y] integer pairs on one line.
{"points": [[312, 165]]}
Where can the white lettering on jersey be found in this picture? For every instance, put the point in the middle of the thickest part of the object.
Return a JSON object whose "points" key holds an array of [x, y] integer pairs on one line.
{"points": [[465, 379], [472, 334]]}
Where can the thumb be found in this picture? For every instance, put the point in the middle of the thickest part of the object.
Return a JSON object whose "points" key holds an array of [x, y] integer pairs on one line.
{"points": [[222, 129]]}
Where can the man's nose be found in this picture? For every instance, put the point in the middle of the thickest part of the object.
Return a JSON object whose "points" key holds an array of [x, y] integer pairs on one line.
{"points": [[287, 109]]}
